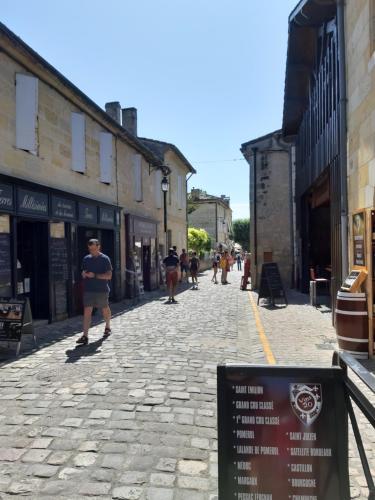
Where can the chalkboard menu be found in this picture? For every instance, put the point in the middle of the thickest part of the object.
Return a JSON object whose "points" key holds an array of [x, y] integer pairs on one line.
{"points": [[59, 259], [283, 433], [271, 286], [5, 260], [11, 319]]}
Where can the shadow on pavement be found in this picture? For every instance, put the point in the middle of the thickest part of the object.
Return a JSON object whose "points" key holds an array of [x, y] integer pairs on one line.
{"points": [[74, 355], [49, 334]]}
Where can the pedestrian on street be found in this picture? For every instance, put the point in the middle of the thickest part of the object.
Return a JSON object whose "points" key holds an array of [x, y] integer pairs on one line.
{"points": [[184, 265], [194, 268], [239, 267], [175, 250], [96, 274], [171, 264], [224, 266], [215, 265], [232, 259]]}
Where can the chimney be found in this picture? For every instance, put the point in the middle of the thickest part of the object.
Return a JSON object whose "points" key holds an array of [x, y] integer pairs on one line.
{"points": [[195, 194], [129, 120], [114, 110]]}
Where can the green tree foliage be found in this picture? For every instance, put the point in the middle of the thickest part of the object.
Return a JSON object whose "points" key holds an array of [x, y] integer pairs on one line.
{"points": [[198, 240], [241, 232]]}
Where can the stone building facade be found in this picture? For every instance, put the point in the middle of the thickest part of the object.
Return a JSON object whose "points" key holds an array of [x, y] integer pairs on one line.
{"points": [[70, 171], [213, 214], [271, 205]]}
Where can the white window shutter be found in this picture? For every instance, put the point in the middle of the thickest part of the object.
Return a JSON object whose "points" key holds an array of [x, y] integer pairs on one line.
{"points": [[158, 188], [105, 157], [78, 142], [137, 172], [27, 112], [180, 192]]}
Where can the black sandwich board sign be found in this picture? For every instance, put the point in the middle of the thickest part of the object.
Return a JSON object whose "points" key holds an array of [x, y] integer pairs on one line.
{"points": [[283, 433], [271, 286], [15, 320]]}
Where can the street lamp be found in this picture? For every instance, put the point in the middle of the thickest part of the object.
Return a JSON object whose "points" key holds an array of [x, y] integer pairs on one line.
{"points": [[165, 189]]}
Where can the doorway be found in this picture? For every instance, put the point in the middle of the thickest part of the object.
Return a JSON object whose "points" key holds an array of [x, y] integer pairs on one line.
{"points": [[32, 256]]}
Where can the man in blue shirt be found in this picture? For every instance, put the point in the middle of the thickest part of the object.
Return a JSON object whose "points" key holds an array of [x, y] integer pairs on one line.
{"points": [[96, 274]]}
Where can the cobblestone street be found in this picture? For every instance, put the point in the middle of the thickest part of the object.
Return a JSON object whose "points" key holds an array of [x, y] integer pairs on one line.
{"points": [[134, 417]]}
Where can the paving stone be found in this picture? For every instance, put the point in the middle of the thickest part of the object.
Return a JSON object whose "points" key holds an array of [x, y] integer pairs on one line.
{"points": [[42, 470], [11, 454], [127, 493], [94, 489], [36, 456], [85, 459]]}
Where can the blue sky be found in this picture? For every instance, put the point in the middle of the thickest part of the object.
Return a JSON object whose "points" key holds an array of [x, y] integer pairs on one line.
{"points": [[206, 75]]}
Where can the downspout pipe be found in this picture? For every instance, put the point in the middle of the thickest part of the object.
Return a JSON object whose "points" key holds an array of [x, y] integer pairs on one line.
{"points": [[343, 137], [187, 211], [255, 256]]}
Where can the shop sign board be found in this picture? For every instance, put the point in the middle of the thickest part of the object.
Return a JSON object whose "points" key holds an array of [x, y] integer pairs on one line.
{"points": [[88, 213], [6, 197], [283, 433], [11, 318], [106, 216], [144, 228], [359, 239], [63, 208], [32, 202], [5, 260]]}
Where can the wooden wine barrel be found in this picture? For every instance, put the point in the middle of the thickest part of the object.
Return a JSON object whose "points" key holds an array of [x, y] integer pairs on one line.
{"points": [[352, 323]]}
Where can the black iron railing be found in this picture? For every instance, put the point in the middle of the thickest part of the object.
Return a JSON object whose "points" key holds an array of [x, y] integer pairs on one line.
{"points": [[354, 393]]}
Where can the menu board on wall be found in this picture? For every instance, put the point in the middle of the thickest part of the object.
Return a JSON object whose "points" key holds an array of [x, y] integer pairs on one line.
{"points": [[59, 259], [359, 239], [5, 260], [282, 433]]}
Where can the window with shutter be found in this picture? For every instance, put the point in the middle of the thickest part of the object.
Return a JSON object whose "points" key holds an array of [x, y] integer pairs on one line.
{"points": [[27, 113], [78, 142], [105, 157], [158, 193], [137, 174]]}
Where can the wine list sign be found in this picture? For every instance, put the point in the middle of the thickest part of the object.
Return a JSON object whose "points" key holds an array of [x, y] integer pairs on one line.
{"points": [[283, 433]]}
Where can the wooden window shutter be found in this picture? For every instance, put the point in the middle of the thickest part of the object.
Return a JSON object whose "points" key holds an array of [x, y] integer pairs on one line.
{"points": [[105, 157], [158, 193], [137, 174], [27, 112], [78, 142]]}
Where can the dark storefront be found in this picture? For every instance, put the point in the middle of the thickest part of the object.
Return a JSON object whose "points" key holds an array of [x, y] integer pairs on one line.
{"points": [[142, 268], [43, 238], [314, 119]]}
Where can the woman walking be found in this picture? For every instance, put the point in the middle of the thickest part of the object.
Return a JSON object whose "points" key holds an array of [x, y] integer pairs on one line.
{"points": [[224, 266], [215, 265]]}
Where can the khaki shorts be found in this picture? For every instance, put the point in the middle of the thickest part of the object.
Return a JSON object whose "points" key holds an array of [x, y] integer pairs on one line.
{"points": [[95, 299]]}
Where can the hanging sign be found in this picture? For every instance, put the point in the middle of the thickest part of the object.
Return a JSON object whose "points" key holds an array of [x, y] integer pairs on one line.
{"points": [[279, 434]]}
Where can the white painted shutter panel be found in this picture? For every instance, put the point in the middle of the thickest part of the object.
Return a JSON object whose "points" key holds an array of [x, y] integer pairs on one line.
{"points": [[105, 157], [78, 142], [137, 172], [158, 188], [180, 192], [26, 112]]}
